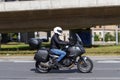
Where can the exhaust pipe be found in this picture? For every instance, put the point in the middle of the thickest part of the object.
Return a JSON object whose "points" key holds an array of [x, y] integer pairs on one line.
{"points": [[45, 64]]}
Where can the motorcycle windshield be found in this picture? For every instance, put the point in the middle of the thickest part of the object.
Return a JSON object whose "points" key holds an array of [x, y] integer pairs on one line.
{"points": [[79, 39]]}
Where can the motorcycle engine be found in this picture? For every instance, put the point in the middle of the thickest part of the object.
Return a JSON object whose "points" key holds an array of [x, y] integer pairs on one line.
{"points": [[67, 62]]}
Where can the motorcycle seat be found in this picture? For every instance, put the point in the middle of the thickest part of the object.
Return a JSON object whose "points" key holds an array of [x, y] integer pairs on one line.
{"points": [[53, 55]]}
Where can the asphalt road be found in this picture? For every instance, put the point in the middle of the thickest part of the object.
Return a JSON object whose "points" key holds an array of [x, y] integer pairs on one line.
{"points": [[24, 70]]}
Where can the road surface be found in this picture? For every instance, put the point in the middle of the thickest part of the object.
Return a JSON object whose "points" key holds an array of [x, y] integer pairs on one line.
{"points": [[104, 69]]}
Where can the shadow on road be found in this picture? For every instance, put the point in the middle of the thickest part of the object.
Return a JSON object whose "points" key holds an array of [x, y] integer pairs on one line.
{"points": [[59, 71], [65, 71]]}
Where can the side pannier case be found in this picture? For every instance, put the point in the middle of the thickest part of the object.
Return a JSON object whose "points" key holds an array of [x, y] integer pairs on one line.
{"points": [[41, 55]]}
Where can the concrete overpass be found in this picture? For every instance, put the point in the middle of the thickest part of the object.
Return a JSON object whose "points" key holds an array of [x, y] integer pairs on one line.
{"points": [[45, 14]]}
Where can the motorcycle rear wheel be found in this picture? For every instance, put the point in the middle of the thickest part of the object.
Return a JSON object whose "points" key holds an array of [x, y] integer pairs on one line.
{"points": [[85, 66], [40, 68]]}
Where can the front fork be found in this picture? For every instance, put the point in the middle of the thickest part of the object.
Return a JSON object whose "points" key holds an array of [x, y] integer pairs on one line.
{"points": [[82, 60]]}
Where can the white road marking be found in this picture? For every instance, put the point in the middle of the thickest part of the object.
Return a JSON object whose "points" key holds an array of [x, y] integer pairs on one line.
{"points": [[18, 61], [108, 61], [22, 61], [1, 60], [31, 61], [109, 69], [95, 78]]}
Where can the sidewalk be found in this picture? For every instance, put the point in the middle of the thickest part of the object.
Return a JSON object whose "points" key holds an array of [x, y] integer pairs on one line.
{"points": [[32, 57], [26, 58], [105, 57]]}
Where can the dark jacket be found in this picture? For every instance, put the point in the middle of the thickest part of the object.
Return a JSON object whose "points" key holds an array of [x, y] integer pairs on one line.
{"points": [[56, 42]]}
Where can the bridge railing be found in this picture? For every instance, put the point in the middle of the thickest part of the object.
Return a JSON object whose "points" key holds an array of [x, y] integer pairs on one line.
{"points": [[15, 5]]}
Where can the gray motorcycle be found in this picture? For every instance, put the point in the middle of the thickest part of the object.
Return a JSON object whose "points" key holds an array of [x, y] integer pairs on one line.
{"points": [[45, 59]]}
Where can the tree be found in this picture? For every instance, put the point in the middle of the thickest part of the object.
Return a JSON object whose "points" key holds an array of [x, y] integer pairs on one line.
{"points": [[96, 37], [109, 37]]}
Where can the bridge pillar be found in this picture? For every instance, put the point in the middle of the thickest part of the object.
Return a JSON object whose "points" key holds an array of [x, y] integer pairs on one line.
{"points": [[85, 35], [26, 36]]}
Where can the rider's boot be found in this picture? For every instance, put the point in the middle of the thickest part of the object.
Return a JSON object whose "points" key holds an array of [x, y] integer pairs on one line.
{"points": [[57, 64], [54, 64]]}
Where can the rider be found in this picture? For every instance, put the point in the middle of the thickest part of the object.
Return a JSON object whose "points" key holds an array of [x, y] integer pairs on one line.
{"points": [[55, 44]]}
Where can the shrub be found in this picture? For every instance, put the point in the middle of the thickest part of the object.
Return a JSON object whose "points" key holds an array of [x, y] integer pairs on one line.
{"points": [[109, 37], [96, 37]]}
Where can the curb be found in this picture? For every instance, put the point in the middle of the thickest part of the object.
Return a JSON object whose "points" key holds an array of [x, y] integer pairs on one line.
{"points": [[105, 57], [32, 57]]}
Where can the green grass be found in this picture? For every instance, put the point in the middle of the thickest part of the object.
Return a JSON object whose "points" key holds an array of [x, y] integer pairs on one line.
{"points": [[104, 50], [14, 48], [9, 53]]}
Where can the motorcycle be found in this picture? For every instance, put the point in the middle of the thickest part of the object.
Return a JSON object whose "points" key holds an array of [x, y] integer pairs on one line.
{"points": [[45, 58]]}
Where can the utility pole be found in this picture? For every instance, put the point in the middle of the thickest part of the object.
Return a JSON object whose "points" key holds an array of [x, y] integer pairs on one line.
{"points": [[0, 40], [104, 35], [116, 35]]}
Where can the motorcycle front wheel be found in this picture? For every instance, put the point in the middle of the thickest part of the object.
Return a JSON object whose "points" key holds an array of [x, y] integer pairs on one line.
{"points": [[40, 68], [85, 65]]}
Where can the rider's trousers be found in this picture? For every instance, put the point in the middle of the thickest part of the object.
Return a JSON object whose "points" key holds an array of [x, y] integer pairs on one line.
{"points": [[60, 53]]}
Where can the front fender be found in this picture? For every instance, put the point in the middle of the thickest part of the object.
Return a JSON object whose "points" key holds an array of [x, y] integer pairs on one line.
{"points": [[83, 58]]}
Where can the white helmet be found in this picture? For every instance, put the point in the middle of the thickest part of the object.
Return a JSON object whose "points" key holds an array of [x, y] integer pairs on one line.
{"points": [[58, 30]]}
